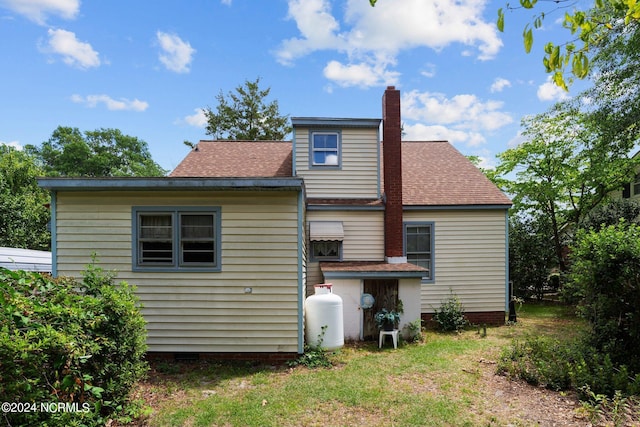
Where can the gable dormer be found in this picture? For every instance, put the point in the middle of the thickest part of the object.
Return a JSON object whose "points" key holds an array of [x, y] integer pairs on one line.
{"points": [[338, 158]]}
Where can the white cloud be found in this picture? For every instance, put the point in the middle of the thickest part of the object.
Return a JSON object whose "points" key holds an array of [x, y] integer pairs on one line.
{"points": [[499, 84], [464, 111], [460, 119], [486, 163], [38, 10], [377, 35], [317, 27], [422, 132], [14, 144], [122, 104], [74, 52], [362, 74], [226, 2], [198, 119], [176, 54], [549, 91]]}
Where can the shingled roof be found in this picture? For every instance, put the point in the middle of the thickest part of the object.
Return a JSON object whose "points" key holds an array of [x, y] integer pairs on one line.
{"points": [[237, 159], [434, 173]]}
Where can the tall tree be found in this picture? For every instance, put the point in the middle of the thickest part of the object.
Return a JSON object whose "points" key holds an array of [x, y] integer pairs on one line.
{"points": [[563, 169], [244, 115], [103, 152], [23, 205]]}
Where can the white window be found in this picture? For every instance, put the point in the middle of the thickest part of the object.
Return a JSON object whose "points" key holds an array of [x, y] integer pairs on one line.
{"points": [[325, 149]]}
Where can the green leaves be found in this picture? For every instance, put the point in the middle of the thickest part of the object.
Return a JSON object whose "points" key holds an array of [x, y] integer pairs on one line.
{"points": [[527, 34], [23, 212], [588, 28]]}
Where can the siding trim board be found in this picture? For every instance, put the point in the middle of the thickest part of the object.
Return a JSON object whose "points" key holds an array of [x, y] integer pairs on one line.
{"points": [[344, 208], [301, 278], [170, 183], [334, 122], [54, 233]]}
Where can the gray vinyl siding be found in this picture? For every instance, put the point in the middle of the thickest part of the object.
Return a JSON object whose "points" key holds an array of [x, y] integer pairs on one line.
{"points": [[198, 311]]}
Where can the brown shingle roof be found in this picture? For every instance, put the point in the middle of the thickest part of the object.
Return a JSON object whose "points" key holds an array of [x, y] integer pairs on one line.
{"points": [[370, 267], [434, 173], [237, 159]]}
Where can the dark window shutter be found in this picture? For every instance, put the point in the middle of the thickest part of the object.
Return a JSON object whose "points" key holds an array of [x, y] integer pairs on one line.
{"points": [[626, 191]]}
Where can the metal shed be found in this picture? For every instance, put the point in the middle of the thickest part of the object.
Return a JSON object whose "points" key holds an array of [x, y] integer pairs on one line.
{"points": [[25, 259]]}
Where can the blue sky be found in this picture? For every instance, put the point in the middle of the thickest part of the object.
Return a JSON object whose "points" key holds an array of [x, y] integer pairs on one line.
{"points": [[148, 67]]}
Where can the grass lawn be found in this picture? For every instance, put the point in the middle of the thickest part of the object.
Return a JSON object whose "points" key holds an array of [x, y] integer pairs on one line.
{"points": [[443, 381]]}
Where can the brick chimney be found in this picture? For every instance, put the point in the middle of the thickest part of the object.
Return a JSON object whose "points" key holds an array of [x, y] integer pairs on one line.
{"points": [[392, 159]]}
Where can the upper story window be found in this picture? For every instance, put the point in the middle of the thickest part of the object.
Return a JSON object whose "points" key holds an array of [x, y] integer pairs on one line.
{"points": [[176, 239], [418, 244], [325, 149]]}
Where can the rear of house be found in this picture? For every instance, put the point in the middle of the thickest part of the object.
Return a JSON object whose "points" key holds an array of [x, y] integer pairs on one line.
{"points": [[225, 250]]}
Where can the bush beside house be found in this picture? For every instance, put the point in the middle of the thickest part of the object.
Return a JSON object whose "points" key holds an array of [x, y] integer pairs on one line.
{"points": [[79, 344]]}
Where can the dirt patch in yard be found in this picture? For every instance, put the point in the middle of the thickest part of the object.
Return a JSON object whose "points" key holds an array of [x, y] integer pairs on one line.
{"points": [[521, 404]]}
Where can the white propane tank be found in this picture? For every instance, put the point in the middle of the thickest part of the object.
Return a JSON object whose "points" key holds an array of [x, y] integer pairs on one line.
{"points": [[324, 308]]}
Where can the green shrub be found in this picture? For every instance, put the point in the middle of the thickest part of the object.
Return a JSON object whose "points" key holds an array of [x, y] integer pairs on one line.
{"points": [[562, 365], [606, 276], [450, 316], [69, 342]]}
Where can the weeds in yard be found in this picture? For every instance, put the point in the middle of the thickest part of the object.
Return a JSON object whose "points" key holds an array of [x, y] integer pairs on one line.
{"points": [[314, 356], [414, 331], [611, 411]]}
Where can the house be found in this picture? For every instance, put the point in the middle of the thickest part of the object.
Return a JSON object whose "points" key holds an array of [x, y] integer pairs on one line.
{"points": [[225, 249]]}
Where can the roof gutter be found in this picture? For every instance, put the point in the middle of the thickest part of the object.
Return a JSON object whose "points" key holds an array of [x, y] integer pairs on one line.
{"points": [[170, 183]]}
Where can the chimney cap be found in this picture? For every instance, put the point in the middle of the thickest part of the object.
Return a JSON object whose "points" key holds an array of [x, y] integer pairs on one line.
{"points": [[391, 88]]}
